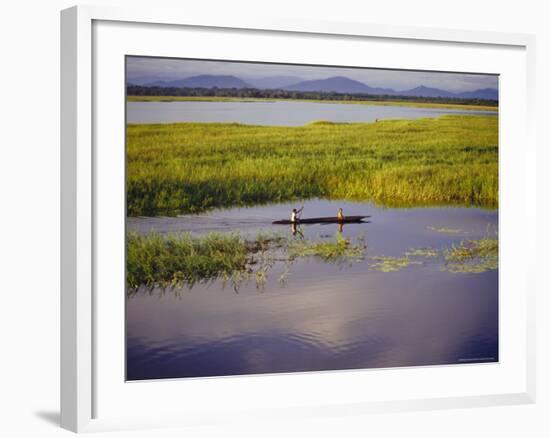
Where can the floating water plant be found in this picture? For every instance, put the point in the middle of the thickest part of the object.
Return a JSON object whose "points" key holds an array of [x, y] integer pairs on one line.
{"points": [[472, 256], [469, 256], [422, 252], [341, 249], [392, 264], [446, 230]]}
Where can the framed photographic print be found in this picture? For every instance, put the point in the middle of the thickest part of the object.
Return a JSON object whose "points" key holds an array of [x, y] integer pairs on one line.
{"points": [[318, 210]]}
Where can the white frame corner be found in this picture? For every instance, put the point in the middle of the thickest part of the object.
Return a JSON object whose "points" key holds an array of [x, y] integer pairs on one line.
{"points": [[77, 197]]}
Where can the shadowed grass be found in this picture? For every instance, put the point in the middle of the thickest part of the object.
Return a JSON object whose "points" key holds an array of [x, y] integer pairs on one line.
{"points": [[183, 259], [193, 167], [173, 259]]}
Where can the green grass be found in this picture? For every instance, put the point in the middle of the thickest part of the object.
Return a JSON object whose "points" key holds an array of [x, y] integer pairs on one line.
{"points": [[422, 252], [341, 249], [473, 256], [193, 167], [175, 260], [169, 260], [182, 259], [467, 257], [457, 106], [392, 264]]}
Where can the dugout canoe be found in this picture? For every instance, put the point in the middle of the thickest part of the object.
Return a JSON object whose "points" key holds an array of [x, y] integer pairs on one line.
{"points": [[324, 220]]}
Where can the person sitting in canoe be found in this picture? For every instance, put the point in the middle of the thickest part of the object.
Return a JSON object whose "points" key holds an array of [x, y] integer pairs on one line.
{"points": [[294, 216], [340, 215]]}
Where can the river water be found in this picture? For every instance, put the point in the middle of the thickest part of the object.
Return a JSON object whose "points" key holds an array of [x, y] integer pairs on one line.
{"points": [[323, 316], [284, 113]]}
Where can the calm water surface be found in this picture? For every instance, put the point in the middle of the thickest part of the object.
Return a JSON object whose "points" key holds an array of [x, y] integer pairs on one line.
{"points": [[325, 316], [287, 113]]}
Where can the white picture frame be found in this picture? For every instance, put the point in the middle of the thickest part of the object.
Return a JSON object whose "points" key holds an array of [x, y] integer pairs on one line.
{"points": [[82, 178]]}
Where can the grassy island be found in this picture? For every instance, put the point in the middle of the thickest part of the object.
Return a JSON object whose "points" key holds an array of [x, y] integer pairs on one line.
{"points": [[193, 167]]}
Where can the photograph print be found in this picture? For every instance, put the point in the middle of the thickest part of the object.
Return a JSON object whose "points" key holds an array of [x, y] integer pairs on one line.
{"points": [[285, 218]]}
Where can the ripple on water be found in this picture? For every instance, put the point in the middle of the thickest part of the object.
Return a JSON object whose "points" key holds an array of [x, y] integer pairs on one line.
{"points": [[326, 316]]}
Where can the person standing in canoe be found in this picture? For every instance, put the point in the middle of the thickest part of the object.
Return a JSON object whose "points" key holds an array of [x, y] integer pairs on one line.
{"points": [[295, 215]]}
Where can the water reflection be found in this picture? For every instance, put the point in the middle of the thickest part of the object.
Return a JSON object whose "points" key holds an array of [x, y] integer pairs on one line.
{"points": [[295, 229], [324, 316], [322, 323]]}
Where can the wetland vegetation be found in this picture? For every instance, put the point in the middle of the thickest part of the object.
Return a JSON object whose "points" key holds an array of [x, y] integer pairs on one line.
{"points": [[182, 259], [473, 256], [186, 168], [218, 152]]}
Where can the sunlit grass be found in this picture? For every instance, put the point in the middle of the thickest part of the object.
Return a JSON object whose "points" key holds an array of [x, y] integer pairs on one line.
{"points": [[392, 264], [422, 252], [337, 250], [473, 256], [193, 167], [468, 256]]}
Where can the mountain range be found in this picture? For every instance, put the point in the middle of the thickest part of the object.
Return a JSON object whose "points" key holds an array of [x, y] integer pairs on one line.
{"points": [[337, 84], [274, 82], [203, 81]]}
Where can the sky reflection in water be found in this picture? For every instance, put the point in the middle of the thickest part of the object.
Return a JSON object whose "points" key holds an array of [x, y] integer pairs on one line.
{"points": [[326, 316], [277, 113]]}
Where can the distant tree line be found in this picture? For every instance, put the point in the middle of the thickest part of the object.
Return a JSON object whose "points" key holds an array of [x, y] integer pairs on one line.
{"points": [[137, 90]]}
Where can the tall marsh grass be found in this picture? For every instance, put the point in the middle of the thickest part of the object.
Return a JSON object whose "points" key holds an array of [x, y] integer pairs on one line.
{"points": [[192, 167], [177, 259], [180, 258]]}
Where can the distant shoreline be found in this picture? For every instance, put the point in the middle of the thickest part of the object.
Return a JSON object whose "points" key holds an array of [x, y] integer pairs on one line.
{"points": [[168, 99]]}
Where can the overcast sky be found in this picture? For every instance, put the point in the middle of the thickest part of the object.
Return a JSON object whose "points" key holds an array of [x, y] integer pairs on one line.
{"points": [[170, 69]]}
